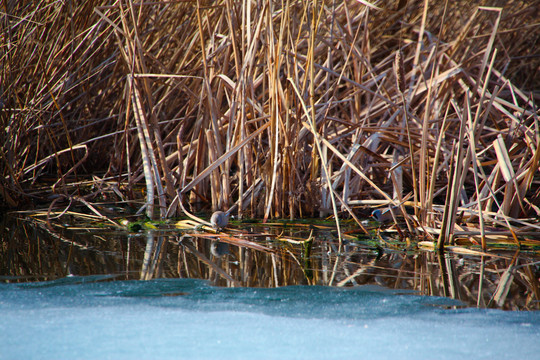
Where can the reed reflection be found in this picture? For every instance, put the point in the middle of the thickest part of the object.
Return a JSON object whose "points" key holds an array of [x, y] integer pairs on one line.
{"points": [[271, 256]]}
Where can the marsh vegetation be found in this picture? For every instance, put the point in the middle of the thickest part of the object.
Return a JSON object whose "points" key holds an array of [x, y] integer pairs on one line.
{"points": [[284, 109]]}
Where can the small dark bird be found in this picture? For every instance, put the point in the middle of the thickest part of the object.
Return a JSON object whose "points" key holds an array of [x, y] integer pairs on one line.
{"points": [[219, 219], [385, 215]]}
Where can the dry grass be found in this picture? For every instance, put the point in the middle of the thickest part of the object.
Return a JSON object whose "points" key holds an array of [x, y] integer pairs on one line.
{"points": [[286, 108]]}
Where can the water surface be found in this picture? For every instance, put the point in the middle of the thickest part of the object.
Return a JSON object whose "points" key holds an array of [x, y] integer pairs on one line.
{"points": [[267, 256]]}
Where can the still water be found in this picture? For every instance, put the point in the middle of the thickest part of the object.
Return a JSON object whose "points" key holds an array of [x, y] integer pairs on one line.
{"points": [[273, 291]]}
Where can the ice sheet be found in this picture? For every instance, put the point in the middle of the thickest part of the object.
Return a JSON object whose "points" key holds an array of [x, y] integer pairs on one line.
{"points": [[187, 319]]}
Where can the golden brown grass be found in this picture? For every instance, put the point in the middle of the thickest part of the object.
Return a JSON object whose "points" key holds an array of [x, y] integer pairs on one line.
{"points": [[286, 108]]}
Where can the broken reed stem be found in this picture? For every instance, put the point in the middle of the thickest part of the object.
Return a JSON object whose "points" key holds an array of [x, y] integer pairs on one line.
{"points": [[142, 132], [475, 162], [399, 73], [317, 141]]}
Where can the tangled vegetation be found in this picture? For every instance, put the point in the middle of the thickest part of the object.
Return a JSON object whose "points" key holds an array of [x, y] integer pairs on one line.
{"points": [[284, 108]]}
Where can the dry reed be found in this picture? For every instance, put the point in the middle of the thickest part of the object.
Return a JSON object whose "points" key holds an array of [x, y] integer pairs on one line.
{"points": [[285, 108]]}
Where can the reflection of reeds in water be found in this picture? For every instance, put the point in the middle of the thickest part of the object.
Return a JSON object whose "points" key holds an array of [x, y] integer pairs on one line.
{"points": [[272, 256], [473, 277], [286, 109], [480, 279]]}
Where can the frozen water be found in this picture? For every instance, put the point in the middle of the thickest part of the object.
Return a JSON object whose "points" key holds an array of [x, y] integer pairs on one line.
{"points": [[84, 318]]}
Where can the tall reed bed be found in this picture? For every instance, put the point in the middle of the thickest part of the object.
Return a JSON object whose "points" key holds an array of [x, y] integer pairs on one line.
{"points": [[284, 108]]}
